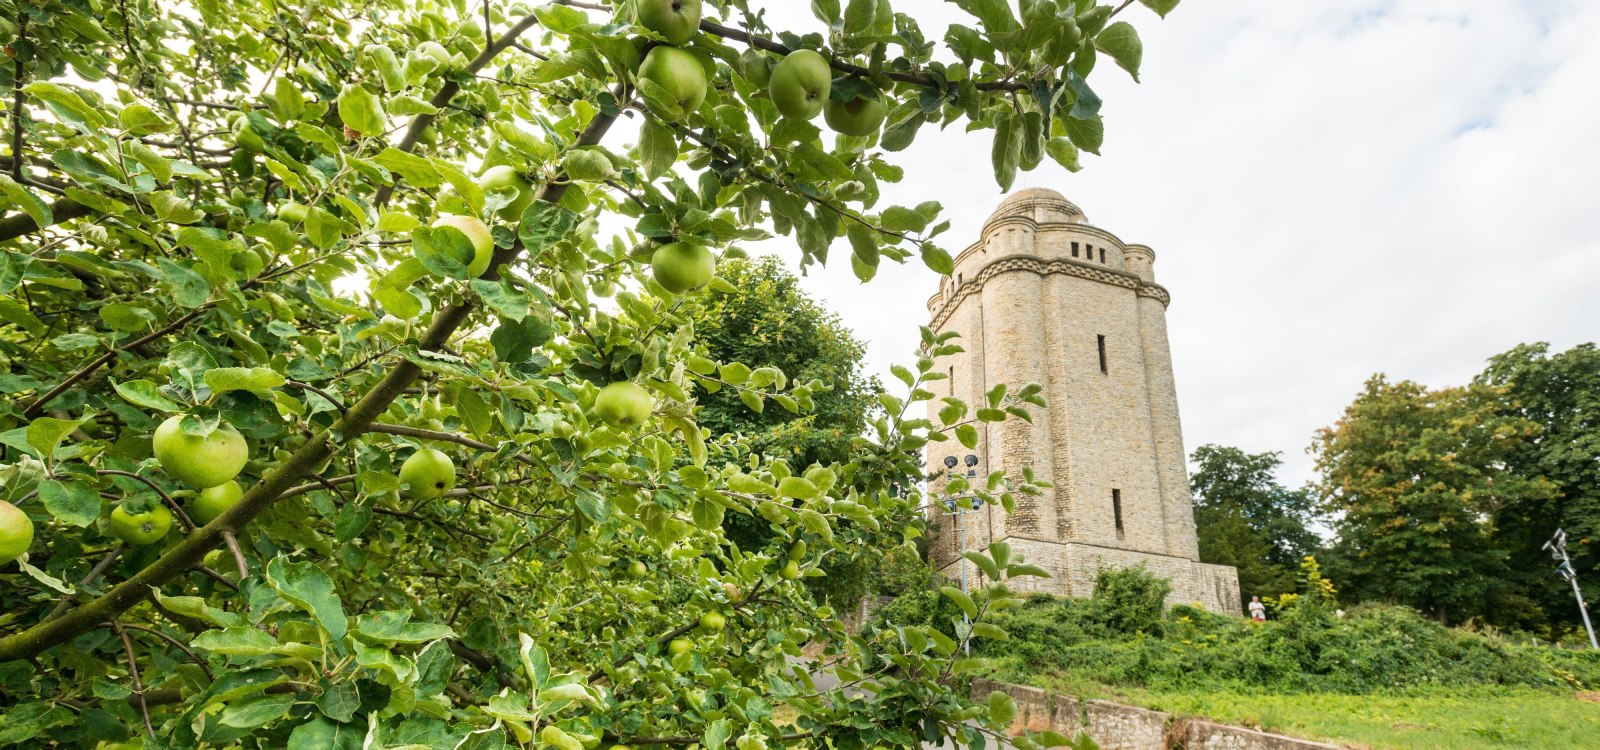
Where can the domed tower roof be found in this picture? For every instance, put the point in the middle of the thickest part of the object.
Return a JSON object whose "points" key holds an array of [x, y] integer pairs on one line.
{"points": [[1039, 205]]}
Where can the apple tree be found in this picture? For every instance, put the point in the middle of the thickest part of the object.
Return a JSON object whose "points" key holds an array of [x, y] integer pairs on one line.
{"points": [[348, 402]]}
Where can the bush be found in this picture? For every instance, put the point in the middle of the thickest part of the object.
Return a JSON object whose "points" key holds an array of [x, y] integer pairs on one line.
{"points": [[1120, 636], [1130, 600]]}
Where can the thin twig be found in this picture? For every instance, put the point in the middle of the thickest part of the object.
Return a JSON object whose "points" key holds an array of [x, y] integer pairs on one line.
{"points": [[133, 669], [94, 574], [238, 555], [188, 523], [179, 644]]}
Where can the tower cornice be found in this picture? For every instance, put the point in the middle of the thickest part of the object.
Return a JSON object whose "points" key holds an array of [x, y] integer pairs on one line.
{"points": [[1034, 264]]}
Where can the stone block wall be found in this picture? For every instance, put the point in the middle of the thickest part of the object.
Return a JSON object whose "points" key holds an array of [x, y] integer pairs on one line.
{"points": [[1117, 727], [1045, 297], [1073, 568]]}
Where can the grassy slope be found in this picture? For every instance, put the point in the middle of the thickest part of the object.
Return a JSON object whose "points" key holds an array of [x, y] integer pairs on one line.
{"points": [[1417, 719]]}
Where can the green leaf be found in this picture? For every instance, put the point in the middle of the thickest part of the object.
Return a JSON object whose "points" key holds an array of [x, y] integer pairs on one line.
{"points": [[968, 435], [395, 626], [67, 105], [543, 225], [587, 164], [256, 712], [707, 514], [1063, 152], [1121, 42], [241, 640], [1002, 707], [189, 289], [415, 169], [445, 251], [306, 586], [224, 379], [502, 297], [858, 15], [18, 195], [937, 259], [1086, 134], [658, 148], [1007, 149], [961, 599], [70, 502], [984, 563], [990, 631], [199, 609], [799, 488], [717, 734], [146, 394], [407, 104], [322, 734], [593, 504], [514, 341], [339, 700], [552, 735], [1162, 8], [902, 219], [46, 433], [361, 110], [752, 400]]}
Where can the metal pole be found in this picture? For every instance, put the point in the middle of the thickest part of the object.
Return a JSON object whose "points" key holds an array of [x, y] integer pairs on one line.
{"points": [[1583, 609]]}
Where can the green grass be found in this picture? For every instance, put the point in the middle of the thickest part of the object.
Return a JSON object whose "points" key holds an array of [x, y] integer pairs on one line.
{"points": [[1416, 719]]}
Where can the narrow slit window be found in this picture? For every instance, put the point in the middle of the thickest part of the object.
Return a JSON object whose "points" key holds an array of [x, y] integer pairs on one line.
{"points": [[1074, 249], [1116, 510], [1101, 340], [1102, 255]]}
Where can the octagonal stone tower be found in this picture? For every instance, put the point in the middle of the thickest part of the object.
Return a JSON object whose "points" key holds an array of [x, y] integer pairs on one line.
{"points": [[1044, 297]]}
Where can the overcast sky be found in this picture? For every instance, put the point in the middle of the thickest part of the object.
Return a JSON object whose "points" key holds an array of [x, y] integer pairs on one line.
{"points": [[1332, 189]]}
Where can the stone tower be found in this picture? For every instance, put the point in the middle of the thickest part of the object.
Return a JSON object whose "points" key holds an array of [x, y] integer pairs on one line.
{"points": [[1044, 297]]}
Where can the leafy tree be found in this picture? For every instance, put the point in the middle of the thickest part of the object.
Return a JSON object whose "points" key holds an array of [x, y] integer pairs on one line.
{"points": [[1561, 394], [766, 320], [1246, 519], [195, 195], [1412, 477]]}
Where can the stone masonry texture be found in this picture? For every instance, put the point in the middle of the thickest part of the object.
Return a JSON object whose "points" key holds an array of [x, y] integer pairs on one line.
{"points": [[1044, 297], [1117, 727]]}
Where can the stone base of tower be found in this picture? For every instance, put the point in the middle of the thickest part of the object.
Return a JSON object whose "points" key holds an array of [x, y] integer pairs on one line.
{"points": [[1073, 568]]}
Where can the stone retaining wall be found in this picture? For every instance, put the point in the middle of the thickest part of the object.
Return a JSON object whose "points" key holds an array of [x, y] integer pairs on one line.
{"points": [[1118, 727]]}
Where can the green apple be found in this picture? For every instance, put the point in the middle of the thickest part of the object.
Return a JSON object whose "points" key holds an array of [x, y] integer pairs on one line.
{"points": [[16, 532], [675, 20], [800, 84], [713, 622], [294, 213], [478, 234], [682, 266], [680, 646], [245, 135], [139, 529], [201, 461], [500, 178], [791, 570], [679, 77], [623, 404], [213, 501], [859, 116], [427, 474], [638, 569], [731, 589], [436, 51]]}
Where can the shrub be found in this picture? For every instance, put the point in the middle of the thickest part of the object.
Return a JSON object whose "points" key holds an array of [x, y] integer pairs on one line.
{"points": [[1130, 600]]}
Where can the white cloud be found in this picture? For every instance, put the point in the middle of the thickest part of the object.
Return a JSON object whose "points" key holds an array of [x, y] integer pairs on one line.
{"points": [[1332, 189]]}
